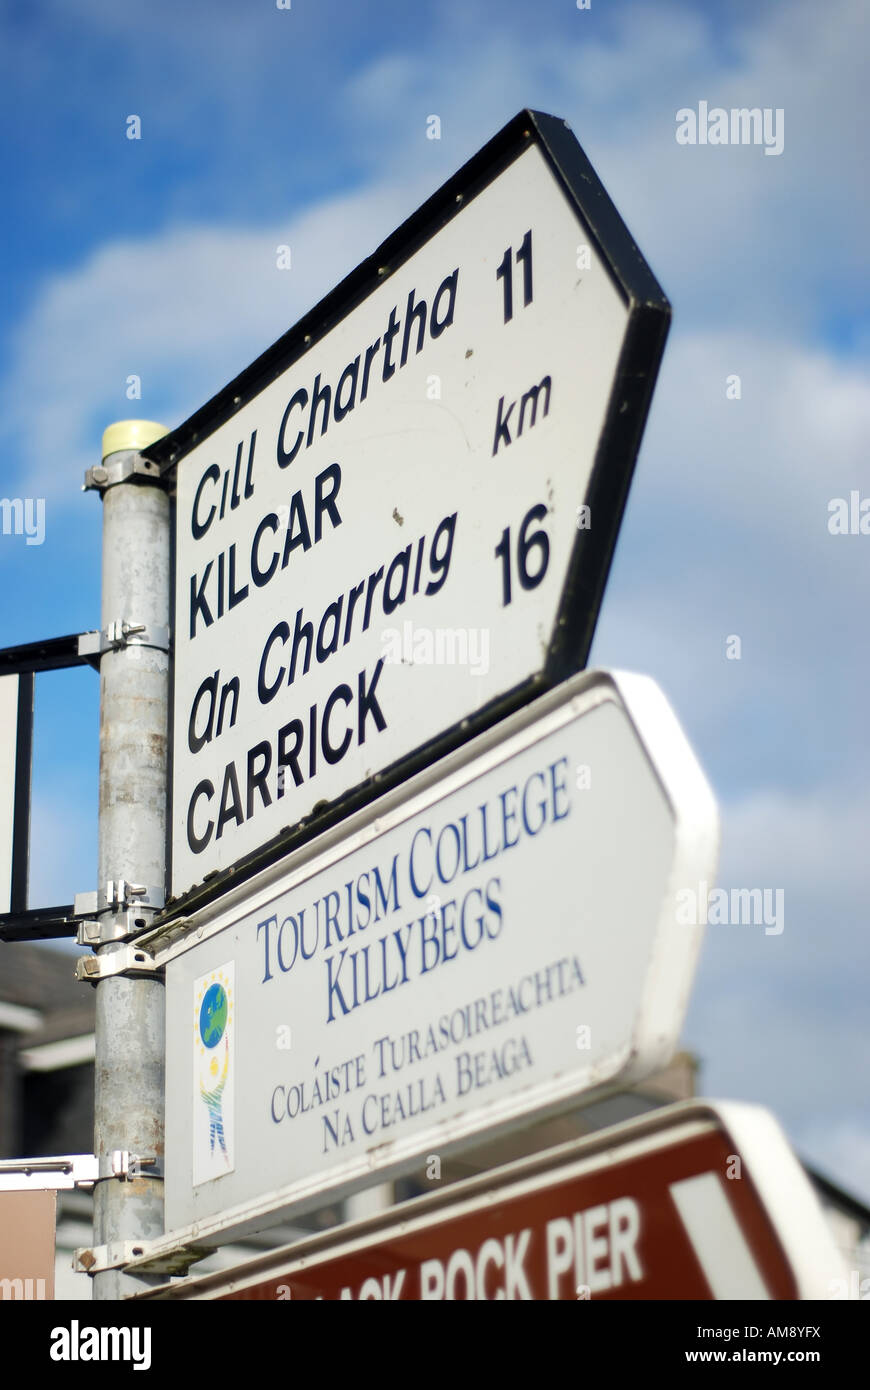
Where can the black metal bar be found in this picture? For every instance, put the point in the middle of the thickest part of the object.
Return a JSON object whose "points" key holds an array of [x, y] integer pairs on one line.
{"points": [[38, 924], [21, 811], [52, 654]]}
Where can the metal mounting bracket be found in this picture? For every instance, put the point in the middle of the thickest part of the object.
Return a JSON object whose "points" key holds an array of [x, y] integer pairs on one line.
{"points": [[95, 1259], [88, 648], [119, 895], [95, 932], [120, 1254], [126, 960], [126, 466], [58, 1173], [123, 632], [125, 1166], [119, 912], [74, 1170]]}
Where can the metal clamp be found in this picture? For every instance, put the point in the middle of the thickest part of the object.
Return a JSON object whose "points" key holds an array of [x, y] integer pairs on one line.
{"points": [[126, 960], [120, 1254], [125, 1166], [124, 467], [120, 894], [117, 913], [95, 932], [124, 632], [95, 1259]]}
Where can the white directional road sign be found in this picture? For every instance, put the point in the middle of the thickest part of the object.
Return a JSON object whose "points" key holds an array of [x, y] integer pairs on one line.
{"points": [[489, 942], [396, 525]]}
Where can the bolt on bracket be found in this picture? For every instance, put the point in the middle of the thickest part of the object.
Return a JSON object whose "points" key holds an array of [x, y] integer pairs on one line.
{"points": [[125, 926], [98, 1258], [126, 960], [125, 467], [125, 1166], [117, 913], [119, 895], [121, 1254], [123, 632]]}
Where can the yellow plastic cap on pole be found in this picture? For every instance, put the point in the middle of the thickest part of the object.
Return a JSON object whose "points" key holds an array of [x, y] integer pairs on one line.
{"points": [[131, 434]]}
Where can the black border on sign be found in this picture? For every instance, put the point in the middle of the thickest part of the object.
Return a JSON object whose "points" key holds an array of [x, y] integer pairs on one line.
{"points": [[22, 923], [170, 713], [649, 315], [21, 812]]}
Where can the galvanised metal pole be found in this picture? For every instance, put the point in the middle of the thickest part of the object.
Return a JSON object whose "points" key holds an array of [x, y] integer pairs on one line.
{"points": [[134, 699]]}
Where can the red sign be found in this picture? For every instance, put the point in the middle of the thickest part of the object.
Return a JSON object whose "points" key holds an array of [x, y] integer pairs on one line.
{"points": [[691, 1202], [616, 1233]]}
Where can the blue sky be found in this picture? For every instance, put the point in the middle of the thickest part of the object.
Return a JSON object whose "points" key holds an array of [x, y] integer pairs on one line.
{"points": [[307, 127]]}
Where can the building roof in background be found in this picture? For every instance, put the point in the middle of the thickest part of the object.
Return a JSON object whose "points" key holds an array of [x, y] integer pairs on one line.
{"points": [[43, 979]]}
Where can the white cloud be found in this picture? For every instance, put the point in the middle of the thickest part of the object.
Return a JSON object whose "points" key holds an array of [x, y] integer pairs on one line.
{"points": [[184, 310], [726, 533], [732, 233], [782, 1019]]}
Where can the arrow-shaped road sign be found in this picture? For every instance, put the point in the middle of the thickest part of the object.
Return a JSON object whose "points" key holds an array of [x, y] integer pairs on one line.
{"points": [[396, 525]]}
